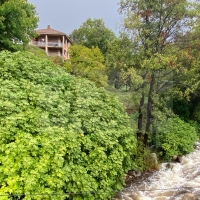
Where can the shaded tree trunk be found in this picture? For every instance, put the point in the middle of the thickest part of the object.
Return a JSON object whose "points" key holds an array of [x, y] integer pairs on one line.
{"points": [[140, 113], [149, 109], [140, 118]]}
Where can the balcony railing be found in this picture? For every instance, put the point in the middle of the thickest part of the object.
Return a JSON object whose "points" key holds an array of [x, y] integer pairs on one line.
{"points": [[54, 44], [49, 44]]}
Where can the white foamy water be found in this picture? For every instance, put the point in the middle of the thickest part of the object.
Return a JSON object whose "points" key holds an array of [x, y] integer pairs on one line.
{"points": [[171, 182]]}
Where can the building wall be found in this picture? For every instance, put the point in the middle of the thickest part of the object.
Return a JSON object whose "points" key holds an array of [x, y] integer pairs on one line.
{"points": [[55, 39], [54, 46], [54, 52]]}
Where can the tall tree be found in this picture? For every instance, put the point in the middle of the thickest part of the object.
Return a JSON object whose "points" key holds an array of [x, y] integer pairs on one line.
{"points": [[120, 62], [187, 86], [93, 33], [87, 63], [154, 25], [18, 20]]}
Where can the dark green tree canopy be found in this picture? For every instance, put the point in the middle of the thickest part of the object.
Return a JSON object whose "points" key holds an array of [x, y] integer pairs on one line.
{"points": [[119, 60], [17, 23], [93, 33]]}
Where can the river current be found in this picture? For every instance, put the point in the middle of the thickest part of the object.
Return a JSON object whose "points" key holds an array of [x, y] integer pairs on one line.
{"points": [[170, 182]]}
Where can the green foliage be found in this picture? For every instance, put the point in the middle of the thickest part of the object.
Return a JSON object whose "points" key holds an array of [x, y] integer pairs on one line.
{"points": [[182, 108], [155, 22], [120, 63], [87, 63], [153, 25], [196, 125], [195, 122], [187, 81], [196, 113], [17, 23], [41, 54], [93, 33], [36, 51], [175, 137], [144, 159], [59, 134], [58, 60]]}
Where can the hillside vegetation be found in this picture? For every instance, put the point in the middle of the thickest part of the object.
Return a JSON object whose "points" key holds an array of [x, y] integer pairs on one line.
{"points": [[59, 134]]}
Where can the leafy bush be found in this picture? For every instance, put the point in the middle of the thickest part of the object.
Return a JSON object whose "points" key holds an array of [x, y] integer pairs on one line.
{"points": [[196, 113], [196, 125], [87, 63], [175, 137], [36, 51], [182, 108], [144, 159], [59, 134]]}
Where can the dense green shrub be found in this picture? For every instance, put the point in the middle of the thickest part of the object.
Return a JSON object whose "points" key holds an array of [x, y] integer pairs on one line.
{"points": [[59, 134], [182, 108], [196, 113], [196, 125], [144, 159], [175, 137]]}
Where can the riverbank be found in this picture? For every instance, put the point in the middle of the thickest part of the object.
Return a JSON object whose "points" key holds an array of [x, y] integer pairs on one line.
{"points": [[181, 181]]}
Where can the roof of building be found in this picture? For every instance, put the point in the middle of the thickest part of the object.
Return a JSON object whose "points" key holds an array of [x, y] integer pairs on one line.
{"points": [[50, 31]]}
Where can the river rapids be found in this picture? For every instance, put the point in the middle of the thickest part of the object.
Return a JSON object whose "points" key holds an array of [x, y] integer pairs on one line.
{"points": [[171, 182]]}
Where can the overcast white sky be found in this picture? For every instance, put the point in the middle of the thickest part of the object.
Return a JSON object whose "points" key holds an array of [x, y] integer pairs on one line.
{"points": [[67, 15]]}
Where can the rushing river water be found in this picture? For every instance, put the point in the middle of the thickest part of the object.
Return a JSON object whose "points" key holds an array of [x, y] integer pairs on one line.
{"points": [[170, 182]]}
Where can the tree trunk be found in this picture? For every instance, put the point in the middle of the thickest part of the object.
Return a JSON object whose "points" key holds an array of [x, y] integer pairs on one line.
{"points": [[140, 114], [140, 118], [149, 109]]}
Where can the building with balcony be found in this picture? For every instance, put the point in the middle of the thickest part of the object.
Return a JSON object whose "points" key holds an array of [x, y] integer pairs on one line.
{"points": [[55, 43]]}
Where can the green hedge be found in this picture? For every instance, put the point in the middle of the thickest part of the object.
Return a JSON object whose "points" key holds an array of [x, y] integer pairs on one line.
{"points": [[59, 134], [175, 137]]}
